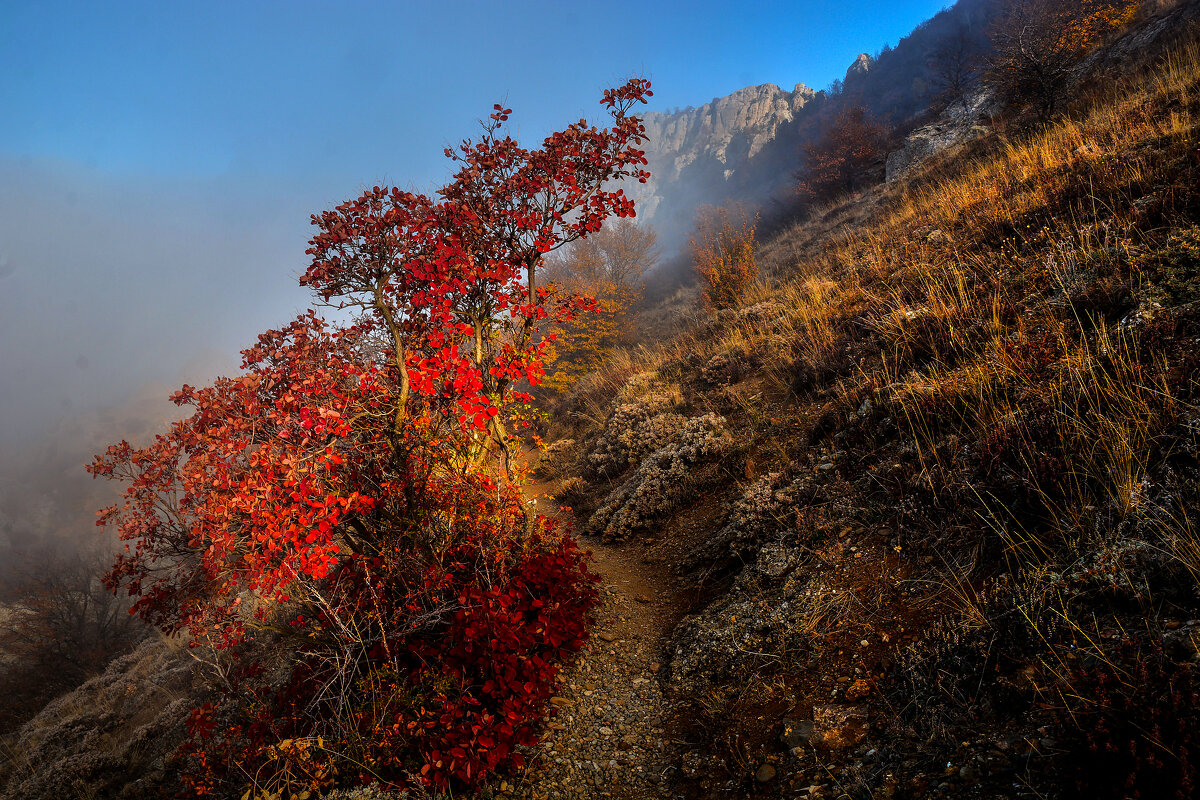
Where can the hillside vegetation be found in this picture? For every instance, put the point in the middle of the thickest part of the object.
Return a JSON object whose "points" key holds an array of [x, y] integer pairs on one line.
{"points": [[933, 486], [908, 506]]}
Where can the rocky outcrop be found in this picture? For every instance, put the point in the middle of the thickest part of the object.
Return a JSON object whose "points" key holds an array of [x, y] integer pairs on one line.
{"points": [[729, 130], [861, 66], [745, 147], [730, 148], [956, 125]]}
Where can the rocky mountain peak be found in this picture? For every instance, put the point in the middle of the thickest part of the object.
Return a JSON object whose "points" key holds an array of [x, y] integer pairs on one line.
{"points": [[756, 111], [703, 148], [861, 66]]}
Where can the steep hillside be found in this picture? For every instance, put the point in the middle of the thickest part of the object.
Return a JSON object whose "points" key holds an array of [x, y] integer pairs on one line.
{"points": [[919, 517], [931, 494]]}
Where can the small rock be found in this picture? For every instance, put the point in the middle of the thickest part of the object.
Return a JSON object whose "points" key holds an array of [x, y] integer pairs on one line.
{"points": [[765, 774], [796, 733], [641, 598], [605, 731], [1146, 204], [937, 235], [606, 636], [655, 667], [836, 727]]}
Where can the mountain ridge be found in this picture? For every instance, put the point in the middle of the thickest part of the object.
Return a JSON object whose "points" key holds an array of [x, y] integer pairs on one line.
{"points": [[710, 143], [745, 147]]}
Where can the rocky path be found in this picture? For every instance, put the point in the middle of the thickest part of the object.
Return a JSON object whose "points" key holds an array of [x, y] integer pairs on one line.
{"points": [[609, 733]]}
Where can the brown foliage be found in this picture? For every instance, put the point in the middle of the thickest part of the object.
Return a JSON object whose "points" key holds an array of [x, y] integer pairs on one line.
{"points": [[839, 161], [1037, 42], [62, 628], [723, 255], [619, 254], [608, 265]]}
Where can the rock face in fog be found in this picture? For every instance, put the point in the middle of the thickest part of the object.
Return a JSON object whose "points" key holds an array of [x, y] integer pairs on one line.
{"points": [[729, 130], [746, 146], [741, 147]]}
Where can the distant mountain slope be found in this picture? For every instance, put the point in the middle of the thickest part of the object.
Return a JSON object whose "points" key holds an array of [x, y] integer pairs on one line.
{"points": [[745, 146], [718, 151]]}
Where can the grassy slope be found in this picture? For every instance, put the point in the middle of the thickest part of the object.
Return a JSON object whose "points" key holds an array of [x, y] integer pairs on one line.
{"points": [[984, 385]]}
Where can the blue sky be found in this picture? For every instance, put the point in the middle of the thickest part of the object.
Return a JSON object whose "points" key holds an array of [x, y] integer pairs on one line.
{"points": [[159, 160], [354, 90]]}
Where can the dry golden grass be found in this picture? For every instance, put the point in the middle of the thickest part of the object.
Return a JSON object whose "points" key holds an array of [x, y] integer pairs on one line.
{"points": [[980, 304], [966, 264], [990, 309]]}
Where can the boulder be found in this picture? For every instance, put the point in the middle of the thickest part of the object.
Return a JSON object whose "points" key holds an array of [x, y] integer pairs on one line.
{"points": [[957, 124]]}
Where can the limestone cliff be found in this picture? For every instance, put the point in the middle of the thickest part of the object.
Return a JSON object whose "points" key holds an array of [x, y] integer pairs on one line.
{"points": [[737, 147], [730, 129]]}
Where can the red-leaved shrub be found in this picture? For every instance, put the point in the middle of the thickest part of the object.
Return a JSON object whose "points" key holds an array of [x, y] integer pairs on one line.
{"points": [[339, 524], [444, 704]]}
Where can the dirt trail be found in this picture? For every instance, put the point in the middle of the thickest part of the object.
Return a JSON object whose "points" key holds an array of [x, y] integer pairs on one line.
{"points": [[609, 734]]}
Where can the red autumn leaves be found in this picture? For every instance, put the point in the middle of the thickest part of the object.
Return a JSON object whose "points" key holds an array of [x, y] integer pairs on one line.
{"points": [[339, 484]]}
